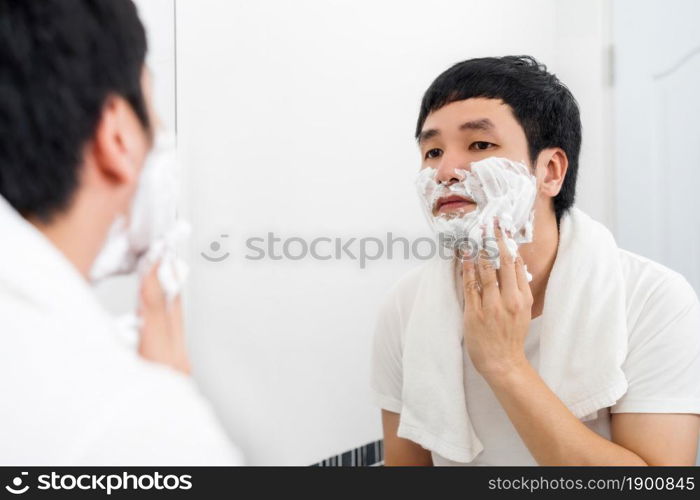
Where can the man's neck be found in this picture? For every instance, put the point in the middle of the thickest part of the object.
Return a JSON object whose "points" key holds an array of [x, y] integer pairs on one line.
{"points": [[539, 256], [78, 234]]}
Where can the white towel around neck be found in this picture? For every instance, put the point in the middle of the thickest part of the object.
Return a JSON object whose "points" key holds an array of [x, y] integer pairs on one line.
{"points": [[583, 341]]}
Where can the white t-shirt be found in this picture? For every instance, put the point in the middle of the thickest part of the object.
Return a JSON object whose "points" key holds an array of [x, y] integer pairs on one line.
{"points": [[73, 393], [662, 365]]}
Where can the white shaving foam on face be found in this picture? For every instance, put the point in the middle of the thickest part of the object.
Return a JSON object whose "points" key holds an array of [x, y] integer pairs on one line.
{"points": [[501, 188]]}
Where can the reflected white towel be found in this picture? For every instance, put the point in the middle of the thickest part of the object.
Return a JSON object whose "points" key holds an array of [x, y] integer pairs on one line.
{"points": [[583, 341]]}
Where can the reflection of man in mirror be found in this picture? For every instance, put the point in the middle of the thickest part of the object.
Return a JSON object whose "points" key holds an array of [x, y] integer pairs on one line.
{"points": [[595, 361], [76, 128]]}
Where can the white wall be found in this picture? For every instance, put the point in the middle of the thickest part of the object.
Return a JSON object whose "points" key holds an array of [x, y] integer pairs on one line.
{"points": [[657, 129], [297, 118]]}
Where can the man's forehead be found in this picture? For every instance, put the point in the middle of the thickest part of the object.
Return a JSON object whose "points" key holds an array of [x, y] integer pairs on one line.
{"points": [[469, 110], [482, 114]]}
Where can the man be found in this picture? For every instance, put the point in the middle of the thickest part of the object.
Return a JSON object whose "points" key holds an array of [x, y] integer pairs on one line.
{"points": [[595, 361], [76, 126]]}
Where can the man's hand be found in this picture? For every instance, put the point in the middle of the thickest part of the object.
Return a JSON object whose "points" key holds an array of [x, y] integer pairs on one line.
{"points": [[162, 334], [497, 308]]}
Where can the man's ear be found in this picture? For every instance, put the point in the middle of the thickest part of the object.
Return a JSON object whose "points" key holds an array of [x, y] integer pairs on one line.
{"points": [[552, 164], [118, 143]]}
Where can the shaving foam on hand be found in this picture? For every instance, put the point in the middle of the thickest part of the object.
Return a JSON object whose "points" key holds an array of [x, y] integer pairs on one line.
{"points": [[501, 189]]}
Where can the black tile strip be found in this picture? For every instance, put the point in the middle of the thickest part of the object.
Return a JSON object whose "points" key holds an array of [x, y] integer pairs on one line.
{"points": [[362, 456]]}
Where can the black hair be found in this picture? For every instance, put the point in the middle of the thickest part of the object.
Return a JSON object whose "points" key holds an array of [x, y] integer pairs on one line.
{"points": [[59, 62], [543, 106]]}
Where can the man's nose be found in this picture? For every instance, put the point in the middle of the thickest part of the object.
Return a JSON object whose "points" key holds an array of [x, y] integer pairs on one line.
{"points": [[447, 169]]}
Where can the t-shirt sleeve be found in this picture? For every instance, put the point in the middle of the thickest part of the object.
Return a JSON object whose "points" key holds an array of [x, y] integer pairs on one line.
{"points": [[386, 378], [663, 360]]}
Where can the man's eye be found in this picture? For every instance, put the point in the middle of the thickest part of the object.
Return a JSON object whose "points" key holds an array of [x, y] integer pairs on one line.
{"points": [[433, 153], [482, 145]]}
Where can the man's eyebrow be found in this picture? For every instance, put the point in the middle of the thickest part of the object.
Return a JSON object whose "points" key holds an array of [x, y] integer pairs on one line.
{"points": [[428, 134], [481, 124]]}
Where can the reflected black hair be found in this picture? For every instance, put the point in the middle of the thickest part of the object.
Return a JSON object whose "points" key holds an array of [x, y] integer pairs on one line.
{"points": [[59, 62]]}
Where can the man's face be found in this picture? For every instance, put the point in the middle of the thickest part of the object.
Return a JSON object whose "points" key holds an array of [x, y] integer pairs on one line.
{"points": [[142, 138], [153, 120], [467, 131], [127, 145]]}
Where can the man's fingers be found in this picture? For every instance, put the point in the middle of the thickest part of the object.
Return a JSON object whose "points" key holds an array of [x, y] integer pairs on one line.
{"points": [[507, 280], [177, 334], [151, 294], [472, 294], [523, 284], [487, 278]]}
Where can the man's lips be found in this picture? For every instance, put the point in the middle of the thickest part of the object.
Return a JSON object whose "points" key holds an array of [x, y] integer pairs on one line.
{"points": [[453, 203]]}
